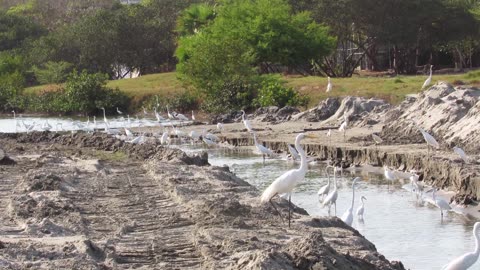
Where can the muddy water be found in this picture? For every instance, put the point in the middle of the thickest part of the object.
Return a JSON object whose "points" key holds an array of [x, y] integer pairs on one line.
{"points": [[401, 228], [10, 125]]}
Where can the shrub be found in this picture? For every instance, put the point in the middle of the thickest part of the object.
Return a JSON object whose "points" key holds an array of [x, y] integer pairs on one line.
{"points": [[52, 72], [232, 95], [272, 92]]}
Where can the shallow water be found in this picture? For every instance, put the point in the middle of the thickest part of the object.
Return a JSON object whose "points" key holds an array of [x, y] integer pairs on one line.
{"points": [[10, 125], [400, 228]]}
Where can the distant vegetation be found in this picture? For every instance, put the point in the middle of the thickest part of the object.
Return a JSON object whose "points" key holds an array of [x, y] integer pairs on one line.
{"points": [[225, 52]]}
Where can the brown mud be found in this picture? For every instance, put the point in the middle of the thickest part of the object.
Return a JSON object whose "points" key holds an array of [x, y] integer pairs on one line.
{"points": [[86, 201]]}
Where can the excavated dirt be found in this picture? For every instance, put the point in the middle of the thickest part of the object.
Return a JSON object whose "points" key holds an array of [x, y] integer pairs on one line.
{"points": [[86, 201]]}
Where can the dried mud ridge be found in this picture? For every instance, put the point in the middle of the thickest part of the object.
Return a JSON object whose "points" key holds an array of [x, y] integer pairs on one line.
{"points": [[66, 209]]}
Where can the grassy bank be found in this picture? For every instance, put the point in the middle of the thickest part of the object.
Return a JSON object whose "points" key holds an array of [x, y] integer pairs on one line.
{"points": [[392, 89]]}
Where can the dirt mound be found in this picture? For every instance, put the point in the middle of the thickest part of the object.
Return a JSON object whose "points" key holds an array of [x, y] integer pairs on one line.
{"points": [[323, 111], [275, 114], [41, 182], [358, 109], [450, 114]]}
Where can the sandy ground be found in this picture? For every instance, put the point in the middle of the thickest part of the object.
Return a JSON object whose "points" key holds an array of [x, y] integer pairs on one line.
{"points": [[93, 202]]}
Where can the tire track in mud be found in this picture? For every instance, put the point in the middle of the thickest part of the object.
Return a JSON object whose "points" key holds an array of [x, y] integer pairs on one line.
{"points": [[144, 227]]}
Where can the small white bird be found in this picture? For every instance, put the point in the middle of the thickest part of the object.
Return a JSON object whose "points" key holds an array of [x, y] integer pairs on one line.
{"points": [[347, 217], [246, 123], [467, 260], [377, 139], [287, 181], [180, 116], [389, 174], [329, 135], [428, 138], [332, 196], [428, 80], [329, 85], [361, 209], [170, 116], [461, 153], [262, 149], [323, 191], [220, 126], [165, 138], [441, 203], [128, 132], [343, 127], [193, 116], [118, 111], [194, 135]]}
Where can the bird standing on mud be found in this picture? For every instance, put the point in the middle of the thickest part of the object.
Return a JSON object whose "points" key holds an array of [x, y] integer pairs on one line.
{"points": [[428, 138], [461, 153], [329, 85], [246, 123], [287, 181], [343, 126]]}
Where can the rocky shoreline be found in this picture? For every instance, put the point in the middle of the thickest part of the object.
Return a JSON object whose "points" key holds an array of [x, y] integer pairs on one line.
{"points": [[70, 202]]}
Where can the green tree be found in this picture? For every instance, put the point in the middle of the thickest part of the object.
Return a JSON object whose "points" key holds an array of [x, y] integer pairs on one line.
{"points": [[15, 30]]}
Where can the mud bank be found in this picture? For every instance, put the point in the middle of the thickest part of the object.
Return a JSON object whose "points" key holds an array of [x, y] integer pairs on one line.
{"points": [[70, 204]]}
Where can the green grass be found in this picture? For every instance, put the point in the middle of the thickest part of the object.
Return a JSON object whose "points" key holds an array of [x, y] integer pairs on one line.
{"points": [[392, 89]]}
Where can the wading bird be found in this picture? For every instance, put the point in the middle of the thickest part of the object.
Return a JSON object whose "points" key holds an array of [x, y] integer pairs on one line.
{"points": [[376, 139], [287, 181], [170, 116], [389, 175], [329, 85], [361, 209], [428, 138], [332, 196], [329, 135], [441, 203], [461, 153], [193, 116], [343, 127], [347, 217], [105, 118], [118, 111], [246, 123], [262, 149], [464, 262], [428, 80], [220, 126], [323, 191], [293, 152]]}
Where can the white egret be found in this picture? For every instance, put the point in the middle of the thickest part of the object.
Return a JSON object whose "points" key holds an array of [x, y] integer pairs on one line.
{"points": [[181, 117], [343, 126], [208, 141], [361, 209], [128, 132], [389, 174], [220, 126], [194, 135], [323, 191], [467, 260], [347, 217], [428, 138], [287, 181], [329, 135], [118, 111], [376, 139], [461, 153], [428, 80], [157, 115], [441, 203], [210, 136], [293, 152], [105, 118], [165, 138], [170, 116], [145, 111], [193, 116], [262, 149], [332, 196], [246, 122], [329, 85], [46, 126]]}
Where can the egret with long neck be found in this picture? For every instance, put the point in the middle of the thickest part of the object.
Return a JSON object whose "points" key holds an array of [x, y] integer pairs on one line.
{"points": [[287, 181], [429, 79], [348, 215], [332, 196], [464, 262]]}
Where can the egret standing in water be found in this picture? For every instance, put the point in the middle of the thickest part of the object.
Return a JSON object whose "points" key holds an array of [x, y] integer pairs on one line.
{"points": [[332, 196], [323, 191], [262, 149], [389, 175], [464, 262], [428, 80], [105, 118], [347, 217], [361, 209], [441, 203], [287, 181]]}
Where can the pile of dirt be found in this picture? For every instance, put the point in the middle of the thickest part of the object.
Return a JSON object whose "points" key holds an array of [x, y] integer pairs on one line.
{"points": [[358, 110], [322, 111], [450, 114], [275, 115]]}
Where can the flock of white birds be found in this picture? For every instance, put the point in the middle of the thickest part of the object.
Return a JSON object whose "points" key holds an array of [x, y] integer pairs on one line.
{"points": [[285, 183]]}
